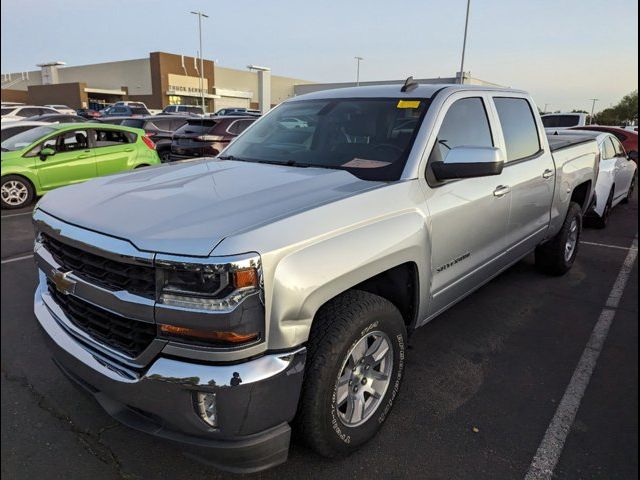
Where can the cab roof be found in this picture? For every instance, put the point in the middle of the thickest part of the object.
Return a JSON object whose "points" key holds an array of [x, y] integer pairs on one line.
{"points": [[393, 91]]}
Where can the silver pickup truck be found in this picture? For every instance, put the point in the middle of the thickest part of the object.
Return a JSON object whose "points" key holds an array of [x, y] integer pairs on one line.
{"points": [[219, 303]]}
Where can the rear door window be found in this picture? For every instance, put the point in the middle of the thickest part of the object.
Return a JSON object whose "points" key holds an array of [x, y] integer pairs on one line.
{"points": [[109, 138], [518, 127], [239, 126]]}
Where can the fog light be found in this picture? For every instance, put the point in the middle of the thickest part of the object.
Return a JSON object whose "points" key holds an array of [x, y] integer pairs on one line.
{"points": [[206, 408]]}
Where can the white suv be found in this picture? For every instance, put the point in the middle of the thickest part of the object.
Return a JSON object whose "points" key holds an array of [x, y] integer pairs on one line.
{"points": [[18, 113]]}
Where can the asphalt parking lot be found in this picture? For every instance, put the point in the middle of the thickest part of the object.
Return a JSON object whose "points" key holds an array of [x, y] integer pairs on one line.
{"points": [[482, 384]]}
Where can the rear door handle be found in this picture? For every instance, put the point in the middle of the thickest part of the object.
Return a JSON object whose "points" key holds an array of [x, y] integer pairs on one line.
{"points": [[128, 149], [548, 173], [501, 190]]}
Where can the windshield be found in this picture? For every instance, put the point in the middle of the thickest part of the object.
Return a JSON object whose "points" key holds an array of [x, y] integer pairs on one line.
{"points": [[25, 139], [7, 111], [371, 138]]}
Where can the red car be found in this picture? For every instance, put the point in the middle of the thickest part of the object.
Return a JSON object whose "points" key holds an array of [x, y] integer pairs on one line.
{"points": [[628, 139]]}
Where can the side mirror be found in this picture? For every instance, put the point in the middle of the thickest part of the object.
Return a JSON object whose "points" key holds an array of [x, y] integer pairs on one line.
{"points": [[46, 152], [469, 162], [633, 156]]}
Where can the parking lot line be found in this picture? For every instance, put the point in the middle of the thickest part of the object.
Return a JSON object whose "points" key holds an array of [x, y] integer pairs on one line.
{"points": [[17, 259], [16, 215], [595, 244], [550, 449]]}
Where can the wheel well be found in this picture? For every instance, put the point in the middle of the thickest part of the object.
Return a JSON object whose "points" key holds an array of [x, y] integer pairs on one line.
{"points": [[580, 195], [141, 165], [399, 285]]}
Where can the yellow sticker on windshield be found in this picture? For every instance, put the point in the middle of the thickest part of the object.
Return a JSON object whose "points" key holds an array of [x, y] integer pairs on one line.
{"points": [[408, 103]]}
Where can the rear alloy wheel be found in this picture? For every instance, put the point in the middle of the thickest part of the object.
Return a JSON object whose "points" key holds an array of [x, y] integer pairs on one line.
{"points": [[16, 192], [556, 257]]}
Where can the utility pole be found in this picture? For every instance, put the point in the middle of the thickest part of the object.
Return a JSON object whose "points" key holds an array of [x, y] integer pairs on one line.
{"points": [[464, 43], [200, 15], [358, 60], [593, 108]]}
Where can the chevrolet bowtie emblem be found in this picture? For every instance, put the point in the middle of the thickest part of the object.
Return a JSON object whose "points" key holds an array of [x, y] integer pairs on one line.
{"points": [[63, 284]]}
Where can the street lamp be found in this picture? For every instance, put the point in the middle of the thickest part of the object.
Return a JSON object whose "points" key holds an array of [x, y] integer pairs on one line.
{"points": [[358, 60], [200, 15], [464, 42], [593, 107]]}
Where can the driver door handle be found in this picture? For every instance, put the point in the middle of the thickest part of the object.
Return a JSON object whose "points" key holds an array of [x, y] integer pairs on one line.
{"points": [[548, 173], [501, 190]]}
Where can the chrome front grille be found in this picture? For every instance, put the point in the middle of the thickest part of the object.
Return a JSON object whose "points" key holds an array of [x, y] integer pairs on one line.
{"points": [[102, 271], [130, 337]]}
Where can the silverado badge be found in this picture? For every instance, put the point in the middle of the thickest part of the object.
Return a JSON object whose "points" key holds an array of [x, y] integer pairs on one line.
{"points": [[63, 284]]}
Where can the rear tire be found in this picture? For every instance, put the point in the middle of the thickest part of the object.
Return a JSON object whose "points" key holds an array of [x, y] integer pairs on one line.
{"points": [[556, 257], [16, 192], [355, 363]]}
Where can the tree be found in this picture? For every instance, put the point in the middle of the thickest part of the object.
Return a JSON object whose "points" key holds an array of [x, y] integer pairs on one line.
{"points": [[624, 113]]}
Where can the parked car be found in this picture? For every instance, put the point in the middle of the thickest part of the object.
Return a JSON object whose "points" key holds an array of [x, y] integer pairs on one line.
{"points": [[616, 175], [559, 121], [58, 118], [203, 137], [62, 109], [87, 113], [54, 155], [236, 111], [183, 110], [631, 128], [210, 302], [122, 110], [628, 138], [160, 128], [9, 129], [19, 113]]}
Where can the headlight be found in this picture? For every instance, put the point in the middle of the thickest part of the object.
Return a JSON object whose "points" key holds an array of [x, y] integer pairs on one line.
{"points": [[209, 293], [203, 285]]}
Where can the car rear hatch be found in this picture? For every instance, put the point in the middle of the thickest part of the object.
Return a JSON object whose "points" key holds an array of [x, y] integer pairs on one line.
{"points": [[192, 138]]}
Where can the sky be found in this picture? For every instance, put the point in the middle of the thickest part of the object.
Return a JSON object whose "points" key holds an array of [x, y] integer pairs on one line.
{"points": [[564, 52]]}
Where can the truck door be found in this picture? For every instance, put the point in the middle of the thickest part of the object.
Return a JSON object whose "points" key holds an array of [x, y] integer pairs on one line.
{"points": [[529, 172], [468, 217]]}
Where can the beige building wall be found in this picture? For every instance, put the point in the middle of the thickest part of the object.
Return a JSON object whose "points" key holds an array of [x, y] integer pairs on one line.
{"points": [[134, 74]]}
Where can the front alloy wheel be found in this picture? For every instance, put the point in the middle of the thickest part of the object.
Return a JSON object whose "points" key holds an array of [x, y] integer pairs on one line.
{"points": [[15, 192], [364, 379]]}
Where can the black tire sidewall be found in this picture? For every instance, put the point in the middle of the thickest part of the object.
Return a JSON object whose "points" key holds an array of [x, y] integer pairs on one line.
{"points": [[565, 236], [344, 439], [26, 183]]}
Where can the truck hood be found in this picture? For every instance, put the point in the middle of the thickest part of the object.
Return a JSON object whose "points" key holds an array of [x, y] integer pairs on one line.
{"points": [[188, 208]]}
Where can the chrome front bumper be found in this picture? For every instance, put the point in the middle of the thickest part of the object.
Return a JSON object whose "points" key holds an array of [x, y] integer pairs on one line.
{"points": [[255, 399]]}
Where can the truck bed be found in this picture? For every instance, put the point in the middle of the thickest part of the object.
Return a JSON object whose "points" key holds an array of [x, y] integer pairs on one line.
{"points": [[559, 141]]}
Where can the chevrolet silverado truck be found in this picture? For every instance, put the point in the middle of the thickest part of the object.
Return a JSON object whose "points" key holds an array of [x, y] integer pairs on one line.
{"points": [[222, 302]]}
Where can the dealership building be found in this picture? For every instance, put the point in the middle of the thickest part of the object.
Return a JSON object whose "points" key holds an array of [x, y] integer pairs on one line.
{"points": [[164, 79], [159, 80]]}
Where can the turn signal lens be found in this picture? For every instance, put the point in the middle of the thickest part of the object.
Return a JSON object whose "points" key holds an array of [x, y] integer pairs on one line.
{"points": [[247, 277], [206, 335]]}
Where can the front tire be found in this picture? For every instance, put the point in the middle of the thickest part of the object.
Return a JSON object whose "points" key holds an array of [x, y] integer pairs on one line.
{"points": [[16, 192], [355, 363], [556, 257]]}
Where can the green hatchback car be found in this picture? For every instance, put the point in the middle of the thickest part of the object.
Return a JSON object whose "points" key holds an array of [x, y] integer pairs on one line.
{"points": [[52, 156]]}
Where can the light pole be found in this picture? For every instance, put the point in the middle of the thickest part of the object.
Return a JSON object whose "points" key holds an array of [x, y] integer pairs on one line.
{"points": [[200, 15], [464, 43], [358, 60], [593, 107]]}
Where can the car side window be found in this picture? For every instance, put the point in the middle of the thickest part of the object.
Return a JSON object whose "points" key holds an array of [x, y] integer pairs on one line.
{"points": [[617, 146], [519, 128], [109, 138], [72, 141], [28, 112], [607, 152], [465, 124]]}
